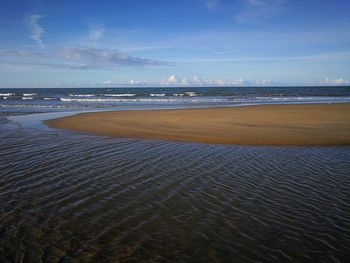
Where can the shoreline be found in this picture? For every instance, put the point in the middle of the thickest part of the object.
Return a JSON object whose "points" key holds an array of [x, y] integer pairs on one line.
{"points": [[273, 124]]}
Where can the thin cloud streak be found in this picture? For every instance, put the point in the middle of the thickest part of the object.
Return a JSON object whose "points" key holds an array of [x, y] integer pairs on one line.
{"points": [[35, 29], [104, 58], [21, 53], [80, 58], [48, 65], [323, 56], [260, 9]]}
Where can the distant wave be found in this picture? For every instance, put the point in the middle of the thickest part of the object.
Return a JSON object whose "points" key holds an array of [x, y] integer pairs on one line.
{"points": [[6, 94], [81, 95], [120, 95], [34, 106], [29, 94], [113, 100], [187, 93], [140, 100], [27, 98]]}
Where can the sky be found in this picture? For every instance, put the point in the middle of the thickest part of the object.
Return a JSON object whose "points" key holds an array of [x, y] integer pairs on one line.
{"points": [[174, 43]]}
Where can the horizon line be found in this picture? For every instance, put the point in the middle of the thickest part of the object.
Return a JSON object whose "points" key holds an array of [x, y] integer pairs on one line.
{"points": [[202, 86]]}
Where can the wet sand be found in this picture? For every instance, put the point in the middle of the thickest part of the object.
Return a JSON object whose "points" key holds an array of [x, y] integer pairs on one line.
{"points": [[306, 124]]}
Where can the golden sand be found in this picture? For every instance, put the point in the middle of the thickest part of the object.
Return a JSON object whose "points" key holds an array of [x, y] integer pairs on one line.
{"points": [[307, 124]]}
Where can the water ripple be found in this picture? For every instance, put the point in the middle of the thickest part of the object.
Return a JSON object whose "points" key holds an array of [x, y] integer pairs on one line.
{"points": [[66, 197]]}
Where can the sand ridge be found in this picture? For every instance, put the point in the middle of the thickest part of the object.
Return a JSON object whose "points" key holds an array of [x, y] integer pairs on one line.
{"points": [[298, 124]]}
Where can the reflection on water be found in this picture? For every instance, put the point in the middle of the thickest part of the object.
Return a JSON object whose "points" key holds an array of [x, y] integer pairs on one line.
{"points": [[67, 197]]}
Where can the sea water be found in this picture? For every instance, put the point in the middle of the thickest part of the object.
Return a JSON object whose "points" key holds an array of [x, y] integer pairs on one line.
{"points": [[73, 197]]}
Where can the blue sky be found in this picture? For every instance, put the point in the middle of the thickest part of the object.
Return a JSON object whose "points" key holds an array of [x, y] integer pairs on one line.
{"points": [[174, 43]]}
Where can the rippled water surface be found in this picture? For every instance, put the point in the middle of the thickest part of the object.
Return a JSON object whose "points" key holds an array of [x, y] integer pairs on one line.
{"points": [[69, 197]]}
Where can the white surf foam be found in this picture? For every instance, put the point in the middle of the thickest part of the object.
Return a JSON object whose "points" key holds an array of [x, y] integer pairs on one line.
{"points": [[81, 95], [157, 95], [119, 95], [190, 93]]}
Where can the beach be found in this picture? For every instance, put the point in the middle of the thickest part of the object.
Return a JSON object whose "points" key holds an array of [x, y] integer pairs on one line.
{"points": [[174, 131], [298, 124]]}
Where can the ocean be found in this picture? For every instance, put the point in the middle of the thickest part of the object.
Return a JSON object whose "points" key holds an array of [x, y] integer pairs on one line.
{"points": [[72, 99], [74, 197]]}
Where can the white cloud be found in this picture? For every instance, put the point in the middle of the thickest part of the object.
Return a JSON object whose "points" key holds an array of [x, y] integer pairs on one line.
{"points": [[211, 4], [313, 57], [73, 53], [184, 82], [172, 80], [259, 2], [20, 53], [267, 82], [40, 63], [134, 82], [254, 9], [339, 81], [196, 81], [96, 33], [78, 58], [265, 3], [210, 82], [36, 31], [92, 58]]}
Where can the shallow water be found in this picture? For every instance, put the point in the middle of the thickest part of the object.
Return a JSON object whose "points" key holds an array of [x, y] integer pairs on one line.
{"points": [[69, 197]]}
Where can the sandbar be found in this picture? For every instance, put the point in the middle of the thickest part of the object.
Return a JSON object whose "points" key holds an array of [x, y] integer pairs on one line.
{"points": [[298, 124]]}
